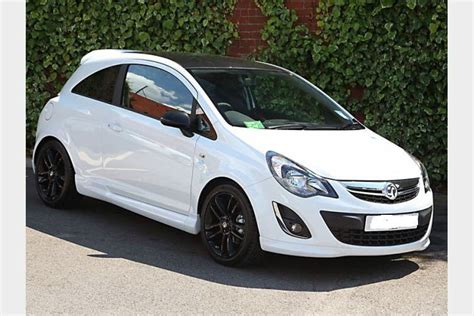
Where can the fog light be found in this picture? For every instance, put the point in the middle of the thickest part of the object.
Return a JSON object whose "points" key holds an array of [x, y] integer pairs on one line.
{"points": [[296, 228], [290, 222]]}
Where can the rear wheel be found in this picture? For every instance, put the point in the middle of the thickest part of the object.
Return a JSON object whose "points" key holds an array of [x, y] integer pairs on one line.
{"points": [[228, 227], [55, 176]]}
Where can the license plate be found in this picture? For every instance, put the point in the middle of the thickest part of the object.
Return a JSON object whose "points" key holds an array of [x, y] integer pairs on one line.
{"points": [[375, 223]]}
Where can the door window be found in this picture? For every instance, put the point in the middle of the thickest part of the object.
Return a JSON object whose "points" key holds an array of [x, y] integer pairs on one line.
{"points": [[153, 92], [100, 85]]}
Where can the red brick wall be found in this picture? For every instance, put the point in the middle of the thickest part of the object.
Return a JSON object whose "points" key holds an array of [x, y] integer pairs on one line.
{"points": [[250, 21]]}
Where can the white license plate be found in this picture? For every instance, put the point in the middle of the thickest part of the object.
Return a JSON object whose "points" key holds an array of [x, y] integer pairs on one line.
{"points": [[375, 223]]}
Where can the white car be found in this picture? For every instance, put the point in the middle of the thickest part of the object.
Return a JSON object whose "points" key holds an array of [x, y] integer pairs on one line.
{"points": [[249, 155]]}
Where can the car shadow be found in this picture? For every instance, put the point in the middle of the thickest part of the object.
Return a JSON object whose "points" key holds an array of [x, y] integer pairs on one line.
{"points": [[112, 232]]}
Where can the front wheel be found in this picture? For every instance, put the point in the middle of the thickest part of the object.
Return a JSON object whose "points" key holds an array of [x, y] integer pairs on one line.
{"points": [[228, 227]]}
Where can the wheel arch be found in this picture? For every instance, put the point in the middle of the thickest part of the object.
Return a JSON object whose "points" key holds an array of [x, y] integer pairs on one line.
{"points": [[42, 142], [214, 183]]}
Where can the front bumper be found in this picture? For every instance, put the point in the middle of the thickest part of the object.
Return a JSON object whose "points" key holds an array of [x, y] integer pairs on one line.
{"points": [[323, 242]]}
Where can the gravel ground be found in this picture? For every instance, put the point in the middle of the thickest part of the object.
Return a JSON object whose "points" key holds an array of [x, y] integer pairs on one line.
{"points": [[101, 259]]}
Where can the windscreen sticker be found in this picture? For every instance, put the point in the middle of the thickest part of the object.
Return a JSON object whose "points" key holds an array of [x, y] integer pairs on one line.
{"points": [[254, 124]]}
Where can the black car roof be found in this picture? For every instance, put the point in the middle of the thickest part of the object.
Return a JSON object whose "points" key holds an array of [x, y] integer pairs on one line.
{"points": [[204, 61]]}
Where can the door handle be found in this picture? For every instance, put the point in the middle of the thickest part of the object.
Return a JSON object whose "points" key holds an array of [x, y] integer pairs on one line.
{"points": [[115, 127]]}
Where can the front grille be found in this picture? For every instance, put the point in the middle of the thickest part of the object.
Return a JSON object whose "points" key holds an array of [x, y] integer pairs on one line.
{"points": [[349, 229], [384, 238], [407, 190], [382, 199]]}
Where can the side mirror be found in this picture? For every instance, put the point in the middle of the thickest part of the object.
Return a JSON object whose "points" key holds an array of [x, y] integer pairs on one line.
{"points": [[178, 119]]}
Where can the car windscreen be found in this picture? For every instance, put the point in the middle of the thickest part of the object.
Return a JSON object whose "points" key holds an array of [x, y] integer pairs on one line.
{"points": [[271, 99]]}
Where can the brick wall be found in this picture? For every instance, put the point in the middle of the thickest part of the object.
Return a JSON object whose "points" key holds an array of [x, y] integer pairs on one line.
{"points": [[250, 21]]}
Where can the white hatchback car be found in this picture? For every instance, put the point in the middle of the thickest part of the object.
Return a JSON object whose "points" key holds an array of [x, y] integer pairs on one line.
{"points": [[250, 155]]}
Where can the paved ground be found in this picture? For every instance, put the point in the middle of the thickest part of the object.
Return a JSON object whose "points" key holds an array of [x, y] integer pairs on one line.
{"points": [[101, 259]]}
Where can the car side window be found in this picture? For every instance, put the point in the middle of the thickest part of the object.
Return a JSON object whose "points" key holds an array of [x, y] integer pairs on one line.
{"points": [[100, 85], [153, 92]]}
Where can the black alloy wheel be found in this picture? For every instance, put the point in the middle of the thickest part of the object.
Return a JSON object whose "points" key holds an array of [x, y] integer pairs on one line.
{"points": [[55, 175], [228, 227], [224, 225], [51, 174]]}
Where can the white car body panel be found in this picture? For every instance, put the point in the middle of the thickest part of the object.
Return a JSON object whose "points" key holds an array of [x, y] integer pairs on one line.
{"points": [[137, 163], [341, 155]]}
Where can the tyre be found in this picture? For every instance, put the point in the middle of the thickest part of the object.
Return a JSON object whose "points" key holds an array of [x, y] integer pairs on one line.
{"points": [[228, 227], [54, 175]]}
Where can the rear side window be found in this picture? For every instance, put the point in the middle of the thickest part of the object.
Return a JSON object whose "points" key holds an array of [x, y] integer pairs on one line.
{"points": [[100, 85], [153, 92]]}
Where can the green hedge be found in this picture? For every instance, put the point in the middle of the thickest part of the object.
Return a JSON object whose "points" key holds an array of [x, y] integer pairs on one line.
{"points": [[394, 50]]}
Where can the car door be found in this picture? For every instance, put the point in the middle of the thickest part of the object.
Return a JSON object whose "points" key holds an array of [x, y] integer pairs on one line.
{"points": [[142, 159], [88, 105]]}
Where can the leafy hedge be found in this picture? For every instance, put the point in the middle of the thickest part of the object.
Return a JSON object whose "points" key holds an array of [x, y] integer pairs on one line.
{"points": [[60, 33], [395, 51]]}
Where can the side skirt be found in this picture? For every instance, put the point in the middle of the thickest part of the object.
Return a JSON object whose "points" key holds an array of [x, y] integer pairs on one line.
{"points": [[188, 223]]}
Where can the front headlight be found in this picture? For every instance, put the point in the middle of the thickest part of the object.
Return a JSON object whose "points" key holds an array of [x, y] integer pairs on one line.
{"points": [[424, 174], [426, 179], [297, 179]]}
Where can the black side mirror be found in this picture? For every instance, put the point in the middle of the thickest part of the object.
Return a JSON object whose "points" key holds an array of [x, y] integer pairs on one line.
{"points": [[178, 119]]}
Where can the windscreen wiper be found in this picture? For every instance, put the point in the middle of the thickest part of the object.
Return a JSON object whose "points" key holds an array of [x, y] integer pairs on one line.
{"points": [[304, 126], [354, 124], [287, 126]]}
